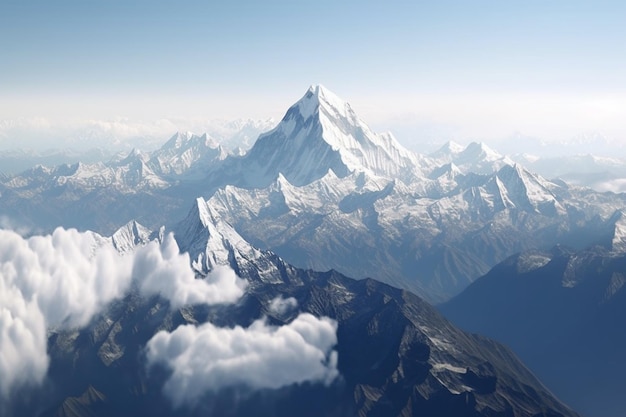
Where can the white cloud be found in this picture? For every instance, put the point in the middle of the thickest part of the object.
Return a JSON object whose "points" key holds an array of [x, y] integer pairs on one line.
{"points": [[206, 358], [280, 305], [163, 270], [62, 280], [51, 281]]}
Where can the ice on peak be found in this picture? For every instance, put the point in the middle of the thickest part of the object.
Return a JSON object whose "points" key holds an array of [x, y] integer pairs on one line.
{"points": [[321, 132], [281, 183], [529, 191], [282, 180], [206, 214], [448, 152], [532, 260], [618, 243], [133, 155], [480, 149], [452, 168], [449, 170], [132, 234], [324, 94], [182, 139], [450, 148], [515, 170], [318, 95], [178, 140]]}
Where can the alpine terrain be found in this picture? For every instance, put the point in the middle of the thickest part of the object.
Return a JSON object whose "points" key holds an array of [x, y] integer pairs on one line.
{"points": [[197, 280], [393, 354], [323, 191]]}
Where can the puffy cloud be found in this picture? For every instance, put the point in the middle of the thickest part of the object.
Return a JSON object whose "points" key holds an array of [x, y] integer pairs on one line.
{"points": [[62, 280], [163, 270], [280, 305], [206, 358], [49, 281]]}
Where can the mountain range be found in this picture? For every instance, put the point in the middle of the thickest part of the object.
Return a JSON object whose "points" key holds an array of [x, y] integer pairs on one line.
{"points": [[588, 170], [324, 191], [396, 354]]}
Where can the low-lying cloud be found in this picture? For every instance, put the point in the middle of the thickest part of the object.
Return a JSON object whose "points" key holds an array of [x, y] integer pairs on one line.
{"points": [[163, 270], [206, 358], [281, 306], [62, 280]]}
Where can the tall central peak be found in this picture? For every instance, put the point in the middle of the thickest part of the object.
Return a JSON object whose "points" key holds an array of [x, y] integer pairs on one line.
{"points": [[321, 132]]}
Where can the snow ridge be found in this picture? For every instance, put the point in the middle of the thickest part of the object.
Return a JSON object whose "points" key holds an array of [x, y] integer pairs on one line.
{"points": [[319, 133]]}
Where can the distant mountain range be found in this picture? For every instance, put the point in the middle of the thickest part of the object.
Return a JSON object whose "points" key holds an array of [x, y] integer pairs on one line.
{"points": [[319, 192], [598, 173], [44, 142], [324, 191]]}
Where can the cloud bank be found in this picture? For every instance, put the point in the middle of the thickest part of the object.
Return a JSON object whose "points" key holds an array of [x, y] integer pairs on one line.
{"points": [[206, 358], [62, 280], [164, 270]]}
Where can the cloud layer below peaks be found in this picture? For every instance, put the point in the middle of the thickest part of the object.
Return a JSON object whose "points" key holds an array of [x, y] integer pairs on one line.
{"points": [[61, 281]]}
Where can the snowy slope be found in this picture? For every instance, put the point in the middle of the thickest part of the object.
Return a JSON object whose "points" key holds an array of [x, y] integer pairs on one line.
{"points": [[185, 151], [211, 242], [432, 237], [319, 133], [325, 192], [476, 157]]}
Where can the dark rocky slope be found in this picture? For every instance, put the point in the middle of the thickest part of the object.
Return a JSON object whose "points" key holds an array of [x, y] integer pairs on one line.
{"points": [[564, 313], [397, 356]]}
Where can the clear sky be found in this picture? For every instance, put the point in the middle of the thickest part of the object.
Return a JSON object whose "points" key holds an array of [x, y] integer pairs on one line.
{"points": [[424, 69]]}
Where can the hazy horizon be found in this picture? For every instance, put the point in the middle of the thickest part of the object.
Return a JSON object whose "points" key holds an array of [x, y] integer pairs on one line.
{"points": [[427, 72]]}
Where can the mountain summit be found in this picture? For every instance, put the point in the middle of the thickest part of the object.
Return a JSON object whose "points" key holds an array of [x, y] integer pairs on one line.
{"points": [[321, 132]]}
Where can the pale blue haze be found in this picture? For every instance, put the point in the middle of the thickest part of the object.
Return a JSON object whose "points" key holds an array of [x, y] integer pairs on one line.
{"points": [[205, 59]]}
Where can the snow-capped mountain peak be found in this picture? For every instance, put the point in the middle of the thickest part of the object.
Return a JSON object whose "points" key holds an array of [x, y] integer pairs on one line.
{"points": [[211, 241], [321, 132], [184, 152], [477, 152], [448, 151], [476, 157], [449, 170], [188, 139], [520, 188], [319, 96], [132, 234]]}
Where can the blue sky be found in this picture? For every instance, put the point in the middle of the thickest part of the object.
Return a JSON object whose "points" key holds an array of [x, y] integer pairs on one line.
{"points": [[448, 67]]}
